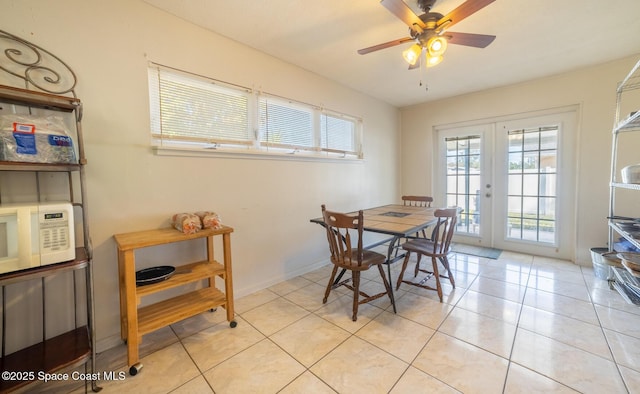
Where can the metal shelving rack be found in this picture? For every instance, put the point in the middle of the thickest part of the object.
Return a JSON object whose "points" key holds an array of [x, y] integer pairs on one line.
{"points": [[48, 86], [625, 283]]}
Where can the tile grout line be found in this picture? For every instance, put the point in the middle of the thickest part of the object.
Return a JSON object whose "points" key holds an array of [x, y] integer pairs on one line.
{"points": [[553, 339], [606, 338], [435, 331], [515, 335]]}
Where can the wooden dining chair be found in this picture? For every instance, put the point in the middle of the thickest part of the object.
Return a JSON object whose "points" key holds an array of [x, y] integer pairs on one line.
{"points": [[417, 201], [437, 248], [344, 233]]}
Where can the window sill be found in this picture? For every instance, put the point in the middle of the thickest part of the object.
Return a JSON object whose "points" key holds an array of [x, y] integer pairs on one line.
{"points": [[250, 154]]}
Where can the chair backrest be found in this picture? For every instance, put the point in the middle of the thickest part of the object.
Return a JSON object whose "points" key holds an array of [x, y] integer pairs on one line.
{"points": [[444, 229], [344, 233], [417, 201]]}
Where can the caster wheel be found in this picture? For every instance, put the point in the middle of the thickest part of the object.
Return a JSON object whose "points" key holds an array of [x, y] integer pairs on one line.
{"points": [[233, 324], [135, 368], [213, 310]]}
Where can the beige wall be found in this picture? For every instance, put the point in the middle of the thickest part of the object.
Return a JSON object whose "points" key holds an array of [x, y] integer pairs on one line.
{"points": [[268, 202], [592, 89]]}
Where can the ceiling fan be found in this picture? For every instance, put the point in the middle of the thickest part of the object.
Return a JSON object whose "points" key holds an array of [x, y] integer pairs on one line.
{"points": [[429, 30]]}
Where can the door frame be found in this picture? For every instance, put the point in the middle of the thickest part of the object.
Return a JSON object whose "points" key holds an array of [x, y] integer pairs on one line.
{"points": [[567, 144]]}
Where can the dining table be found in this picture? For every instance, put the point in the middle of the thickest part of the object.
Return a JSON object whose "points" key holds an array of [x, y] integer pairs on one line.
{"points": [[398, 222]]}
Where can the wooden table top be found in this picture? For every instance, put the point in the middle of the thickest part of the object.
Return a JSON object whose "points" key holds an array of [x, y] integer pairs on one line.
{"points": [[395, 219]]}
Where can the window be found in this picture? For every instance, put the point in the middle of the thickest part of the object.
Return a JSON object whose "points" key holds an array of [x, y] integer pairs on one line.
{"points": [[195, 112], [337, 134], [285, 125], [189, 109]]}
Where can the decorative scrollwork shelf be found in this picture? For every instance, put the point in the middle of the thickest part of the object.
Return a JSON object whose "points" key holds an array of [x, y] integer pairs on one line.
{"points": [[37, 67], [33, 79]]}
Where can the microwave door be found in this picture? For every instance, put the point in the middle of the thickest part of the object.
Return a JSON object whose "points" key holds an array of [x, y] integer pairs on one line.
{"points": [[8, 236], [16, 252]]}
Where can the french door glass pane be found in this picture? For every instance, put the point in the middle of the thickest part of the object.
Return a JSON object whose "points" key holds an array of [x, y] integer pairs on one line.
{"points": [[548, 160], [548, 185], [529, 184], [515, 142], [515, 162], [515, 184], [549, 139], [531, 188], [463, 181], [530, 160], [474, 182], [531, 142]]}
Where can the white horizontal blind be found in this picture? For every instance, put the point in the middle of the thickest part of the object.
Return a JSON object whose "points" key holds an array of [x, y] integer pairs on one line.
{"points": [[189, 109], [191, 113], [285, 125], [337, 134]]}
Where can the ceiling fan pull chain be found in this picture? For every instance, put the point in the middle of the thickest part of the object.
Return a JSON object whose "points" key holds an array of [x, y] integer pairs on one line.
{"points": [[423, 73]]}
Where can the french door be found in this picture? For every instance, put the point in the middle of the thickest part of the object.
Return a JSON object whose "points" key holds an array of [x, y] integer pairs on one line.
{"points": [[514, 180], [466, 172]]}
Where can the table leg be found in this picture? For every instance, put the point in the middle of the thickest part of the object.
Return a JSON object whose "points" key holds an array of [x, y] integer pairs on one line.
{"points": [[392, 247]]}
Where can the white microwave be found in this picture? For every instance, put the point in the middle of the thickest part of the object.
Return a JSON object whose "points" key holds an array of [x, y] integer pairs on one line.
{"points": [[36, 234]]}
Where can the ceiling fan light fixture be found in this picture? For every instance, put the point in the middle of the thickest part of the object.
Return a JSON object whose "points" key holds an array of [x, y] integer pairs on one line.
{"points": [[412, 54], [436, 46], [434, 60]]}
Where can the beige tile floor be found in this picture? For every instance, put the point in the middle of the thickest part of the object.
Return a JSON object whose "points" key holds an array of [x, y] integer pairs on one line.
{"points": [[517, 324]]}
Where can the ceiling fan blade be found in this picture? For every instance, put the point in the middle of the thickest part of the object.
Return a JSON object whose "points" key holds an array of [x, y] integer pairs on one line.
{"points": [[469, 39], [464, 10], [403, 12], [389, 44]]}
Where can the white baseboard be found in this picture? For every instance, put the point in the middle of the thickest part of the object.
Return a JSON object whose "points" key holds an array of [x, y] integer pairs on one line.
{"points": [[239, 293], [108, 343]]}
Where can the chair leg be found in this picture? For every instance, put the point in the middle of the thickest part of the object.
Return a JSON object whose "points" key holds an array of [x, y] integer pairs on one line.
{"points": [[415, 273], [356, 293], [330, 284], [445, 263], [404, 267], [437, 276]]}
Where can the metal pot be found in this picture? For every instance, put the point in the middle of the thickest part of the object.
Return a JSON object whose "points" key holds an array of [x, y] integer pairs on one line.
{"points": [[603, 260], [631, 174]]}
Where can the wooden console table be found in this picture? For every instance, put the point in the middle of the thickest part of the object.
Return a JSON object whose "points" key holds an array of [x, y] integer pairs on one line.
{"points": [[134, 321]]}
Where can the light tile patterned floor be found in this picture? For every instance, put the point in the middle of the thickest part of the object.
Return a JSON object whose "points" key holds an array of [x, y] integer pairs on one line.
{"points": [[518, 324]]}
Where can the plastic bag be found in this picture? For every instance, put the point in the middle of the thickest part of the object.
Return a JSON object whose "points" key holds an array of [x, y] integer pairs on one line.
{"points": [[209, 219], [35, 139], [187, 223]]}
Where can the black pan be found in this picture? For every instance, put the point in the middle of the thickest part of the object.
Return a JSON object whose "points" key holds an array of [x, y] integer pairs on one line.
{"points": [[151, 275]]}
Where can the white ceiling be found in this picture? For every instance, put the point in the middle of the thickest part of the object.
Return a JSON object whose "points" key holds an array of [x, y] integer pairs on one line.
{"points": [[535, 38]]}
